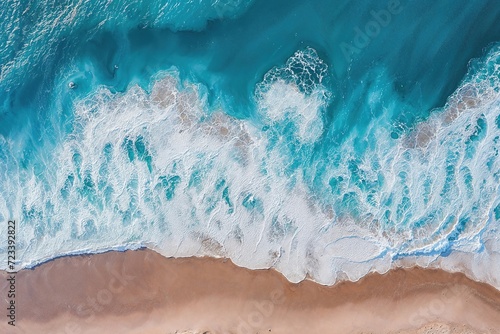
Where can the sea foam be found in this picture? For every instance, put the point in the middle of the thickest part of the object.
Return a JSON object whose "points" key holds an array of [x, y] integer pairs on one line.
{"points": [[160, 168]]}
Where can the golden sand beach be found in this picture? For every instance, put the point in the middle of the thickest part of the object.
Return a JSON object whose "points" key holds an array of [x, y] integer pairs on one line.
{"points": [[144, 292]]}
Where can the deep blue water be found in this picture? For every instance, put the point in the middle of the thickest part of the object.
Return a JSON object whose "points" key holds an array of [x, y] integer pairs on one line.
{"points": [[342, 103]]}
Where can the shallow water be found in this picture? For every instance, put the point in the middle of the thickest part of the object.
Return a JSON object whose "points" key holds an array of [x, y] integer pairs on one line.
{"points": [[328, 138]]}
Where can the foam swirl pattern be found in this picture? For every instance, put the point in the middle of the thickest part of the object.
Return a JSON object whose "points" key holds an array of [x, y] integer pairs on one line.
{"points": [[303, 166]]}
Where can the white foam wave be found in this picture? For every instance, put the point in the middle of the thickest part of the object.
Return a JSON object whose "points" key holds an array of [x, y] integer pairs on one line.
{"points": [[161, 170]]}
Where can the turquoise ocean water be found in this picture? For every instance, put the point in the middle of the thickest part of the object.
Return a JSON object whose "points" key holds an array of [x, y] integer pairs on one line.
{"points": [[321, 138]]}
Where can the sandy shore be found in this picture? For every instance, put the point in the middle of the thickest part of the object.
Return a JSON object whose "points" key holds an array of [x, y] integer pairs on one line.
{"points": [[143, 292]]}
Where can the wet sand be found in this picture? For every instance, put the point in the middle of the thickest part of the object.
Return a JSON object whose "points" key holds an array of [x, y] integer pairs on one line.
{"points": [[144, 292]]}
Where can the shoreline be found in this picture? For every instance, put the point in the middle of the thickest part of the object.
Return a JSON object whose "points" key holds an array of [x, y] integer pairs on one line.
{"points": [[140, 291], [400, 264]]}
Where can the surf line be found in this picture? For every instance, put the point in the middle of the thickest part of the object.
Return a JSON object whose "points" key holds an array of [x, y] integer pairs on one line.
{"points": [[363, 37], [11, 260]]}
